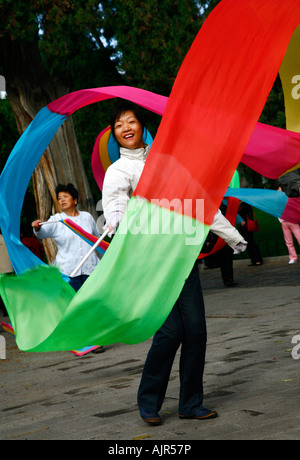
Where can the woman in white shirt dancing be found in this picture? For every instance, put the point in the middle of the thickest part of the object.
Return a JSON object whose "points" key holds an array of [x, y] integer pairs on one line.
{"points": [[186, 323], [70, 247]]}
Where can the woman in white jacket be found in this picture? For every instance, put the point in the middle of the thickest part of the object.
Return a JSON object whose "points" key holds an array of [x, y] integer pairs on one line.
{"points": [[186, 323]]}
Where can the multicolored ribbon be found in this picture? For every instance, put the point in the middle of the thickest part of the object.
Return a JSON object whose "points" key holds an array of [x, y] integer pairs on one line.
{"points": [[87, 237], [207, 123], [272, 202]]}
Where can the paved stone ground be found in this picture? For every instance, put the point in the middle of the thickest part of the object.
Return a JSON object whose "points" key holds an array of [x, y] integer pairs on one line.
{"points": [[251, 378]]}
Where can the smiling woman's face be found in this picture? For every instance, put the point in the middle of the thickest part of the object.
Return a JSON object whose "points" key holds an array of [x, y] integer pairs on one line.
{"points": [[129, 131]]}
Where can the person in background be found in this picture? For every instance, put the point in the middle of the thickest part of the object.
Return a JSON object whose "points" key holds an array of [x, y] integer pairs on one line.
{"points": [[70, 247], [289, 229], [222, 258], [289, 183], [245, 214]]}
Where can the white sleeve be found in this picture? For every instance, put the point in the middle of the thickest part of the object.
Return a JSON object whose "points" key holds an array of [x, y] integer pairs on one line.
{"points": [[223, 228], [115, 192], [49, 230]]}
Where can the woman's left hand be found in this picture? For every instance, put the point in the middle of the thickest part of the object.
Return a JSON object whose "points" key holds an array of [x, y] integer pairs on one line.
{"points": [[240, 247]]}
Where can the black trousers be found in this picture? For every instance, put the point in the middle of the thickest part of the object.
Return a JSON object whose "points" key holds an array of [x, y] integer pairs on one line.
{"points": [[252, 247], [185, 326], [226, 263]]}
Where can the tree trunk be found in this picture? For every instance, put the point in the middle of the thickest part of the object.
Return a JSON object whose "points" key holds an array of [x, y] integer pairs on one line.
{"points": [[29, 88]]}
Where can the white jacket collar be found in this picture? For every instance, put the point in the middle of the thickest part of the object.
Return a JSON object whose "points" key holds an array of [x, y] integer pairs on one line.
{"points": [[135, 154]]}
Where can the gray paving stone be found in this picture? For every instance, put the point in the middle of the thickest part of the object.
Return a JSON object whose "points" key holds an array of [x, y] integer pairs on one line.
{"points": [[250, 377]]}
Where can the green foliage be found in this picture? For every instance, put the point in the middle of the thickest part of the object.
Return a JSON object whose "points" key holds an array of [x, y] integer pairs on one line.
{"points": [[273, 114], [72, 50], [145, 44], [274, 111], [71, 47], [18, 19], [71, 44], [153, 38]]}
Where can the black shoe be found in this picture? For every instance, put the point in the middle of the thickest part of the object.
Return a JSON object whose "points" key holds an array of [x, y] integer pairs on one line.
{"points": [[201, 414], [98, 350], [230, 283], [152, 418]]}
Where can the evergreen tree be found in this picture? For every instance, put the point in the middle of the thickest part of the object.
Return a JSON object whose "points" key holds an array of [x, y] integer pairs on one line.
{"points": [[45, 48], [153, 37]]}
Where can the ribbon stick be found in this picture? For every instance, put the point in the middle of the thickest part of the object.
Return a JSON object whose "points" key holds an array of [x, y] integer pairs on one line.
{"points": [[50, 222], [89, 253]]}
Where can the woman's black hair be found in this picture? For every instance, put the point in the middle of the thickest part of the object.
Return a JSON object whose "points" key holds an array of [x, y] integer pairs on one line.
{"points": [[121, 107], [69, 188]]}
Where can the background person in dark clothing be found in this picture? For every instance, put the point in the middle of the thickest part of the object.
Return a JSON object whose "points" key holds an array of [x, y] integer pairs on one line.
{"points": [[246, 213]]}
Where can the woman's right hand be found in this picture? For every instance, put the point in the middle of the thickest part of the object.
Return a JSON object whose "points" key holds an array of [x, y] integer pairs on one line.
{"points": [[112, 222], [36, 224]]}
